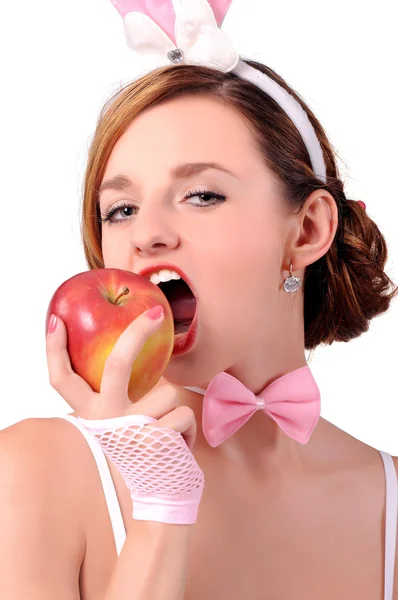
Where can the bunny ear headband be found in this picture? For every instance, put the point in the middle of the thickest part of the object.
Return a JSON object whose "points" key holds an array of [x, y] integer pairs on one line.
{"points": [[164, 32]]}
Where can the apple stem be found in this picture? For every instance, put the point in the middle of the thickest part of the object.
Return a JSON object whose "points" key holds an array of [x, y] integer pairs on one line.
{"points": [[124, 293]]}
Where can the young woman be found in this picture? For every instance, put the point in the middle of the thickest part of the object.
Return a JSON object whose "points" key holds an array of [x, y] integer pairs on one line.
{"points": [[199, 171]]}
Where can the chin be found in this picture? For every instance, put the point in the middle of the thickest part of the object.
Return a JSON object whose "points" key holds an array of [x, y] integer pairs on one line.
{"points": [[195, 374], [182, 372], [197, 366]]}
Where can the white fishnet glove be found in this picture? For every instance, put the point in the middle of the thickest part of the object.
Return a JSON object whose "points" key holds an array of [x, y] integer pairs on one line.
{"points": [[163, 477]]}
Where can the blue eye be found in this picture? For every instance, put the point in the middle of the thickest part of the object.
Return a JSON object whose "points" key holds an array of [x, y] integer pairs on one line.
{"points": [[110, 212]]}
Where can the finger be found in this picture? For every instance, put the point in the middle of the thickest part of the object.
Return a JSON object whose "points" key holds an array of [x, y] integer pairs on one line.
{"points": [[74, 389], [182, 419], [118, 365]]}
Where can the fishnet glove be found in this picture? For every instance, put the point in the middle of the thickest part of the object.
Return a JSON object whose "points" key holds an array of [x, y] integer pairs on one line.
{"points": [[163, 477]]}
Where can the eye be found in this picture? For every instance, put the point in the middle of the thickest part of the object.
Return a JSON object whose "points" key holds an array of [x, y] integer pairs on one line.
{"points": [[214, 198], [110, 212], [217, 198]]}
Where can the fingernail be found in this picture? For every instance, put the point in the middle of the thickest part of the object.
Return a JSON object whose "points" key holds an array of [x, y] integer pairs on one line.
{"points": [[155, 313], [52, 324]]}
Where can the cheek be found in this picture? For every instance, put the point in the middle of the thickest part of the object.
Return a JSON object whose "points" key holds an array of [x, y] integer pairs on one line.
{"points": [[115, 251], [106, 251], [242, 273], [243, 256]]}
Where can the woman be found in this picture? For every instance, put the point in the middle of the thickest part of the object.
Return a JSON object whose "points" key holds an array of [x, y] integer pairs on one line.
{"points": [[278, 518]]}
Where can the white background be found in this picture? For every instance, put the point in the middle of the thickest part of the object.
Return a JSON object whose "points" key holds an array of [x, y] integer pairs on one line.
{"points": [[61, 61]]}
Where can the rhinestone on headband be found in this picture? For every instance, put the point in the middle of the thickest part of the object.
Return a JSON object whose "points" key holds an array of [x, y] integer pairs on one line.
{"points": [[176, 56]]}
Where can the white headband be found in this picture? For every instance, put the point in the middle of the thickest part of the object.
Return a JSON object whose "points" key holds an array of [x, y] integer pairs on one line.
{"points": [[200, 41]]}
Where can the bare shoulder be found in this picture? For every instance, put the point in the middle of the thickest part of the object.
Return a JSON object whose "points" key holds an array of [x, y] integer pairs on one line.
{"points": [[49, 446], [38, 458], [343, 450], [368, 472], [50, 451], [41, 525], [395, 585], [32, 427]]}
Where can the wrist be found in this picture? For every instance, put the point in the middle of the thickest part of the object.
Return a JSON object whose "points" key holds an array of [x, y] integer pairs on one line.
{"points": [[160, 535], [167, 511]]}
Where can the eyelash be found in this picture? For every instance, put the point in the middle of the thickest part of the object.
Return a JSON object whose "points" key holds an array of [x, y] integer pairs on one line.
{"points": [[112, 210]]}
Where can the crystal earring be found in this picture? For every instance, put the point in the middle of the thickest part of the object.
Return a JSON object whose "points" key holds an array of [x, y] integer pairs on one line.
{"points": [[291, 284]]}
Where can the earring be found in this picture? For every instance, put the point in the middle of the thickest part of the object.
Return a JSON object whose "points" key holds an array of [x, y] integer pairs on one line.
{"points": [[291, 284]]}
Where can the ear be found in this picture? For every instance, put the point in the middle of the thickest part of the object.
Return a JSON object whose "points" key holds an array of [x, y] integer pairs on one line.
{"points": [[312, 231]]}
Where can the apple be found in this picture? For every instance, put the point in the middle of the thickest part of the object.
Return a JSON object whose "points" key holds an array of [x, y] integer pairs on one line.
{"points": [[96, 307]]}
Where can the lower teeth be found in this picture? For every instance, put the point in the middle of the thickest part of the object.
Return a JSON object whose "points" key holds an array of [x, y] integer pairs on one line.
{"points": [[181, 327]]}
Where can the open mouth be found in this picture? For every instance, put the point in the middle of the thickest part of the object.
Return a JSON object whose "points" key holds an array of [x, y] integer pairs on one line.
{"points": [[182, 302]]}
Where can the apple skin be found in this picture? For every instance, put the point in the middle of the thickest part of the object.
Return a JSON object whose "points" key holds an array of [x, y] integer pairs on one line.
{"points": [[94, 322]]}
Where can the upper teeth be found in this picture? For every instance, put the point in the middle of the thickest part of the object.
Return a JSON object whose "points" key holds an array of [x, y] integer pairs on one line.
{"points": [[163, 275]]}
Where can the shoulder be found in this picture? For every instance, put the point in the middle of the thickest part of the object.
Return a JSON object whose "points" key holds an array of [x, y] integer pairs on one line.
{"points": [[48, 446], [395, 585], [26, 441], [50, 450], [39, 478]]}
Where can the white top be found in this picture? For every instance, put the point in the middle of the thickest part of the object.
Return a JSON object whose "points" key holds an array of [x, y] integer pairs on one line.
{"points": [[120, 532]]}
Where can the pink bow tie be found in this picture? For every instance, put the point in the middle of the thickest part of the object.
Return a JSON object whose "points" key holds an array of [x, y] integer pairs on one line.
{"points": [[292, 401]]}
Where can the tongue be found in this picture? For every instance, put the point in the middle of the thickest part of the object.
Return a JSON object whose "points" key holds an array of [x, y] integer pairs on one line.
{"points": [[182, 302]]}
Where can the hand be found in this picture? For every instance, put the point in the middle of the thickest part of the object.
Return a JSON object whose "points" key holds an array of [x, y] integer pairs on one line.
{"points": [[155, 460]]}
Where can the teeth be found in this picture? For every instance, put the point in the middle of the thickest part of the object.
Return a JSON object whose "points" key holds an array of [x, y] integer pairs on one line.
{"points": [[163, 275]]}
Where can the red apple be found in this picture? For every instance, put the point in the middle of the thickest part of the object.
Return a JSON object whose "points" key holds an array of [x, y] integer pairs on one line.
{"points": [[96, 307]]}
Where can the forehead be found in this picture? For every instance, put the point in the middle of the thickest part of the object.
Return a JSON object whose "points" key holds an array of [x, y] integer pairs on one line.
{"points": [[188, 128]]}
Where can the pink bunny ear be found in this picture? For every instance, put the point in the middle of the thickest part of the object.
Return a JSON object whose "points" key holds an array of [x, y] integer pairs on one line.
{"points": [[220, 9], [162, 12]]}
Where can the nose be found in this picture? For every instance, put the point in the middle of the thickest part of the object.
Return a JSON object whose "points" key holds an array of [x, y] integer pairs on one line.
{"points": [[153, 231]]}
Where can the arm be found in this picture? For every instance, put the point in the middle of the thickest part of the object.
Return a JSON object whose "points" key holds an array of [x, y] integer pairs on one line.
{"points": [[41, 546], [152, 564], [150, 443]]}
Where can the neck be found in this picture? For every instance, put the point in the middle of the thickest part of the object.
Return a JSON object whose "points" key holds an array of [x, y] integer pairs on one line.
{"points": [[260, 441]]}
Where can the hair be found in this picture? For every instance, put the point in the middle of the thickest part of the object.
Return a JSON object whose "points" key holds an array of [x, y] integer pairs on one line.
{"points": [[345, 288]]}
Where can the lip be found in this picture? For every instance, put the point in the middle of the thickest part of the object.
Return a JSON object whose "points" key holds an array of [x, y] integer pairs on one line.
{"points": [[184, 341], [154, 268]]}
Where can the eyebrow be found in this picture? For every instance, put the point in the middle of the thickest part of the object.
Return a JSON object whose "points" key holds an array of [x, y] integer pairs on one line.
{"points": [[121, 182]]}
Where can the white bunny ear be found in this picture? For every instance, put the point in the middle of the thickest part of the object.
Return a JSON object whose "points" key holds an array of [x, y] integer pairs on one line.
{"points": [[148, 42], [197, 33]]}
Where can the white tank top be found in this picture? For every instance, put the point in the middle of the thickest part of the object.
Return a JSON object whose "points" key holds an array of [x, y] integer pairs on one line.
{"points": [[120, 532]]}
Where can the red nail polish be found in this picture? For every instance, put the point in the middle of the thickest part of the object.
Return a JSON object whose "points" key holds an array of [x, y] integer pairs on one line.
{"points": [[155, 313]]}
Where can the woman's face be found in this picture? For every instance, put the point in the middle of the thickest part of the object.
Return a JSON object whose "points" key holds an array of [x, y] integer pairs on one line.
{"points": [[231, 248]]}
